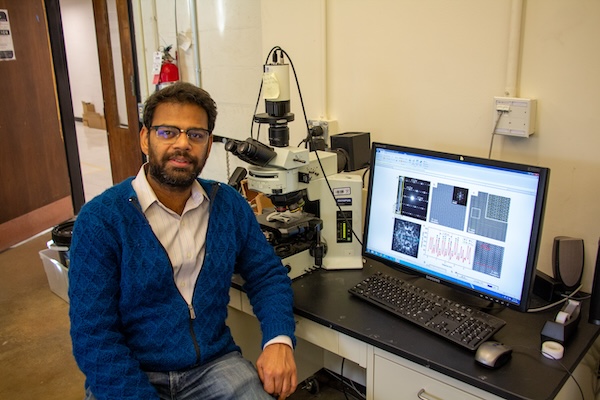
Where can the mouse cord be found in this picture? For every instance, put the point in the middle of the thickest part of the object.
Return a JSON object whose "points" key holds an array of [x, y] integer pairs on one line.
{"points": [[550, 356]]}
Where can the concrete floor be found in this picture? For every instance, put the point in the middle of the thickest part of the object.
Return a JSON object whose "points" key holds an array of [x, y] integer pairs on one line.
{"points": [[35, 347], [36, 361]]}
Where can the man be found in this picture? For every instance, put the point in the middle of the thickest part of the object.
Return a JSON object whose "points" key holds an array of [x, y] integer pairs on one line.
{"points": [[151, 266]]}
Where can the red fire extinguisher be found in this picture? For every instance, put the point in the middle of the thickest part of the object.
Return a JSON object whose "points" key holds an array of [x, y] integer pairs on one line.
{"points": [[169, 73]]}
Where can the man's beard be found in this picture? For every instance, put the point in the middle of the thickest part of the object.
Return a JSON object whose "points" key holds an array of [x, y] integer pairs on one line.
{"points": [[177, 178]]}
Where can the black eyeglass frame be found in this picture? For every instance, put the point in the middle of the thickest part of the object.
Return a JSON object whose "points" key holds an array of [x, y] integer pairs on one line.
{"points": [[180, 131]]}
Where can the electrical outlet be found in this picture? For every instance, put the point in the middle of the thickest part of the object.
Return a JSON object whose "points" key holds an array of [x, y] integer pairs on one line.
{"points": [[514, 116]]}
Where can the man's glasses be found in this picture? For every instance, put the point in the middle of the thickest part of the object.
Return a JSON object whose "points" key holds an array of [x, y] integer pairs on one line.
{"points": [[169, 134]]}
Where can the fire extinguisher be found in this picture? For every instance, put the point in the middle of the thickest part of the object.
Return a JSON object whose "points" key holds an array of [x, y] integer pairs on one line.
{"points": [[169, 73]]}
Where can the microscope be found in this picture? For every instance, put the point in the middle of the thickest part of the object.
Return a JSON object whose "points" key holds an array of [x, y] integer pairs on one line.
{"points": [[317, 216]]}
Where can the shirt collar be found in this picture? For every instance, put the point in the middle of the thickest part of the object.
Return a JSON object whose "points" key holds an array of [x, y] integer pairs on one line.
{"points": [[147, 197]]}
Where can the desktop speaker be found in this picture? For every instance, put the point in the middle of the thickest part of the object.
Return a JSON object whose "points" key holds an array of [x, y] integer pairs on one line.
{"points": [[567, 261], [595, 301]]}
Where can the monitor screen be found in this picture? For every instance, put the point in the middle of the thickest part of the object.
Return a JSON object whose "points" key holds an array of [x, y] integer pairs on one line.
{"points": [[470, 223]]}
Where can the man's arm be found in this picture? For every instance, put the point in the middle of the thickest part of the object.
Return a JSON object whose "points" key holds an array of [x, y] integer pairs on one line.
{"points": [[99, 346], [269, 289], [267, 283]]}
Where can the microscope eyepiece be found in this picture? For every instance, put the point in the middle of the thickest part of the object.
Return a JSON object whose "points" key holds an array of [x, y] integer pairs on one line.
{"points": [[252, 151], [231, 145]]}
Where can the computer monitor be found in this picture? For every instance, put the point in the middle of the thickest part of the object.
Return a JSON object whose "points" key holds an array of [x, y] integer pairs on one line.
{"points": [[469, 223]]}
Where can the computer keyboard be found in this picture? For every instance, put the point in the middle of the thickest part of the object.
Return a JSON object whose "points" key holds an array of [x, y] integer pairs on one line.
{"points": [[453, 321]]}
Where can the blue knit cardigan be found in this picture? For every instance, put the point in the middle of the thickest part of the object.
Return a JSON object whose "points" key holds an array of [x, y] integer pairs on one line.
{"points": [[127, 315]]}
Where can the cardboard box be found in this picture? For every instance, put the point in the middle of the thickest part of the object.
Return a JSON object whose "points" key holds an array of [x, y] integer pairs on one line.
{"points": [[88, 107], [96, 121], [57, 274], [91, 118]]}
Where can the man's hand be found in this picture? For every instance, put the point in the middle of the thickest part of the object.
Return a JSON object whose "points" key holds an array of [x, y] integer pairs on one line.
{"points": [[277, 370]]}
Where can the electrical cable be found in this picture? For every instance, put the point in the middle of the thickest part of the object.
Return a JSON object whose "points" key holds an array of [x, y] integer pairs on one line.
{"points": [[549, 306], [346, 382], [532, 310], [343, 214], [350, 382], [228, 165], [367, 169], [308, 137], [258, 97], [342, 376], [273, 53], [567, 370], [551, 357], [500, 112], [299, 95]]}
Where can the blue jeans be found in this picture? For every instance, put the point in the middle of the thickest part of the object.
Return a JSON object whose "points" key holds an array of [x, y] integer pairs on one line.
{"points": [[228, 377]]}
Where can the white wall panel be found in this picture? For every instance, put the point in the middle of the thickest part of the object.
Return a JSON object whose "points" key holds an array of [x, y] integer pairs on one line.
{"points": [[82, 54]]}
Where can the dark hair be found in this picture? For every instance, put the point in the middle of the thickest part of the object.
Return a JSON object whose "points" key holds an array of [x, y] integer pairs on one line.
{"points": [[181, 93]]}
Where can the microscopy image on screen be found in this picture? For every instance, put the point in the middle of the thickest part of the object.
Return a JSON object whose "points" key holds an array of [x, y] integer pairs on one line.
{"points": [[459, 196], [448, 206], [488, 216], [413, 197], [488, 259], [406, 237]]}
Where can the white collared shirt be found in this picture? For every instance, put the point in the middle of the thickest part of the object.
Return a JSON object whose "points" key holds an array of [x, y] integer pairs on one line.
{"points": [[183, 237]]}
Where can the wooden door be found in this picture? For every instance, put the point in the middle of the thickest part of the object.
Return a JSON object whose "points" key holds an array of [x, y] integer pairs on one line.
{"points": [[123, 138], [35, 191]]}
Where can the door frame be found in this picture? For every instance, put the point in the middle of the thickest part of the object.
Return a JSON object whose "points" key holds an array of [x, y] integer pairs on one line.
{"points": [[123, 141], [65, 101]]}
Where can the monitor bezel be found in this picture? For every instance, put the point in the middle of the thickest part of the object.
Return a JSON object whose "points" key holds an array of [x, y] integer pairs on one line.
{"points": [[536, 228]]}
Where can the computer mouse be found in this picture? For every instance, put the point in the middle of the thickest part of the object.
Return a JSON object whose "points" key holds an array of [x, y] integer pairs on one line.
{"points": [[493, 354]]}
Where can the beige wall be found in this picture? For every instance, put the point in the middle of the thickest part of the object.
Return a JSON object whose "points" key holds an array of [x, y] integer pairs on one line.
{"points": [[424, 73], [420, 73]]}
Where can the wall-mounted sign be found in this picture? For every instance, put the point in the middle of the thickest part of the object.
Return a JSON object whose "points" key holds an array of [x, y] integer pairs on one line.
{"points": [[7, 50]]}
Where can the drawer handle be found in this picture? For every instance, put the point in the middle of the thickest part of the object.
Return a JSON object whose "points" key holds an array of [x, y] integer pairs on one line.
{"points": [[424, 396]]}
